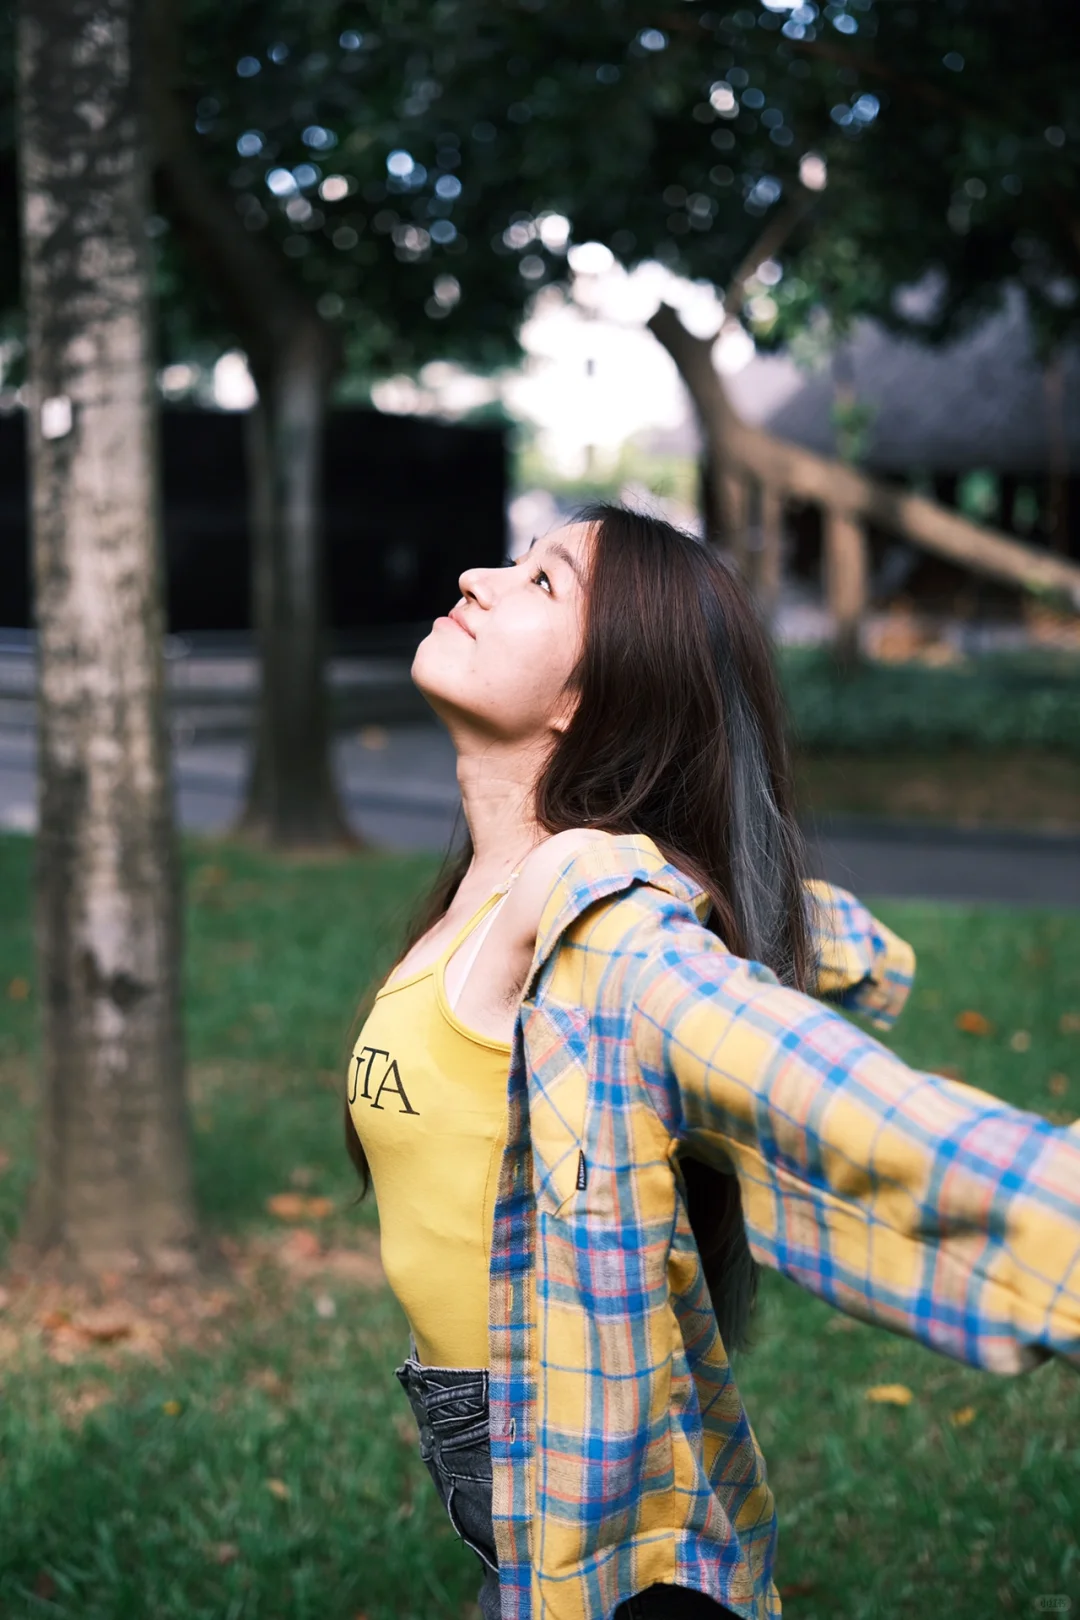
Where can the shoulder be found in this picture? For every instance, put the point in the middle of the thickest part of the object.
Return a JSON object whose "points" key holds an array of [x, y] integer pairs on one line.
{"points": [[545, 862], [540, 871], [542, 866]]}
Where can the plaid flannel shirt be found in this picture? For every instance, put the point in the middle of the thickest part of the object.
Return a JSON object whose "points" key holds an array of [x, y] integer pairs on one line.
{"points": [[621, 1451]]}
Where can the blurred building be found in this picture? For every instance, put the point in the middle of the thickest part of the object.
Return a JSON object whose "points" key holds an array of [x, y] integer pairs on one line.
{"points": [[408, 504], [982, 423]]}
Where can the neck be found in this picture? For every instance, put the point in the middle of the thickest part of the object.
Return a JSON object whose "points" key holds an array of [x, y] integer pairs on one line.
{"points": [[497, 782]]}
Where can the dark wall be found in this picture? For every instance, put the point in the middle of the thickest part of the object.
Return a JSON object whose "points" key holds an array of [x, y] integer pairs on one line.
{"points": [[408, 504]]}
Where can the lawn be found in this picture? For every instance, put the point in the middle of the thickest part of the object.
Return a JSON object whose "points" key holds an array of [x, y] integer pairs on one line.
{"points": [[246, 1452]]}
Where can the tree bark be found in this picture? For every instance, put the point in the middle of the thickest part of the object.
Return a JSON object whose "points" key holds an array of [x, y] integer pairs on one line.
{"points": [[1058, 457], [846, 580], [292, 799], [722, 502], [113, 1183], [771, 556], [693, 359]]}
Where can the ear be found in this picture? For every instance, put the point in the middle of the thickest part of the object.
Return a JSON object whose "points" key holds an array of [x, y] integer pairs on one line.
{"points": [[561, 719]]}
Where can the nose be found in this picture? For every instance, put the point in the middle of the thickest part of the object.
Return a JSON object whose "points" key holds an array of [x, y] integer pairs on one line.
{"points": [[475, 585]]}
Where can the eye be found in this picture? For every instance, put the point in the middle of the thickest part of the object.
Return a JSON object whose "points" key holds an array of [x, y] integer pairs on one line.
{"points": [[540, 575]]}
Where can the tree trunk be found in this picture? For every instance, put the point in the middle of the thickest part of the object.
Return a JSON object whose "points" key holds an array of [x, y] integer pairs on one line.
{"points": [[113, 1182], [292, 800], [693, 359], [846, 580], [771, 556], [1057, 503], [710, 504], [294, 356]]}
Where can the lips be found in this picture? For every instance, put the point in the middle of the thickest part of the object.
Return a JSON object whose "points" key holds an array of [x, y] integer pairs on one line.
{"points": [[455, 619]]}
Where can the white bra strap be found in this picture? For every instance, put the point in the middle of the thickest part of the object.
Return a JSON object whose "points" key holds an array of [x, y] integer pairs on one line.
{"points": [[479, 936]]}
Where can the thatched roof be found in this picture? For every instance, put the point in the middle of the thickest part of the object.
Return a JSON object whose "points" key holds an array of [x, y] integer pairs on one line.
{"points": [[979, 402]]}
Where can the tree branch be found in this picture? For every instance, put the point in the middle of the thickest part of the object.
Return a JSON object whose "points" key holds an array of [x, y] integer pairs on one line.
{"points": [[771, 240], [262, 303], [693, 357]]}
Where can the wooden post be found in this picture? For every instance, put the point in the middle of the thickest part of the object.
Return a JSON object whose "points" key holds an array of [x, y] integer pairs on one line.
{"points": [[846, 578], [736, 509], [770, 560]]}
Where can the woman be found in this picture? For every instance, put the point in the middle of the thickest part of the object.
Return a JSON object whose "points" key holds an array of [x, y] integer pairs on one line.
{"points": [[592, 1096]]}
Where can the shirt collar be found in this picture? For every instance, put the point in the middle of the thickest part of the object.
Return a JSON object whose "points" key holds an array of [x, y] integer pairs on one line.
{"points": [[601, 868]]}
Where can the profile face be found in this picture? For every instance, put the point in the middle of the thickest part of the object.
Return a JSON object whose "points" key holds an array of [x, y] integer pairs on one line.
{"points": [[499, 661]]}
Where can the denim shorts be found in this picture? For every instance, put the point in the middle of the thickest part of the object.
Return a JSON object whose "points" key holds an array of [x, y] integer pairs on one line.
{"points": [[450, 1405]]}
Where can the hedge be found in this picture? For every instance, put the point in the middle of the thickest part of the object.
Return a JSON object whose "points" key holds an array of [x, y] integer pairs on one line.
{"points": [[1000, 701]]}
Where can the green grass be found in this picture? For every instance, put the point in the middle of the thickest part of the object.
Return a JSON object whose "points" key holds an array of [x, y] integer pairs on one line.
{"points": [[121, 1512]]}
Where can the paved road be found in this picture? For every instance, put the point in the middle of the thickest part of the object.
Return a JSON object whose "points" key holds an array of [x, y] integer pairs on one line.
{"points": [[401, 792]]}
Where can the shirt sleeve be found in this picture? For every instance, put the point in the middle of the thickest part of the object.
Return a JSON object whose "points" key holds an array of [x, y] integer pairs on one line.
{"points": [[908, 1200], [861, 965]]}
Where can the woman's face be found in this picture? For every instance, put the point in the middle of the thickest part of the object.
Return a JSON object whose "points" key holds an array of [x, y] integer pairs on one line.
{"points": [[500, 660]]}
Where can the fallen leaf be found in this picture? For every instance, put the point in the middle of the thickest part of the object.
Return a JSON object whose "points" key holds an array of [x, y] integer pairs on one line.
{"points": [[66, 1346], [81, 1402], [792, 1589], [5, 1160], [325, 1307], [223, 1552], [291, 1206], [1020, 1040], [1058, 1084], [171, 1408], [44, 1586], [287, 1206], [949, 1071], [1069, 1023], [104, 1325], [51, 1321], [840, 1324], [18, 989], [4, 1298], [302, 1176], [301, 1247], [353, 1265], [278, 1488], [266, 1379], [890, 1394], [974, 1023], [963, 1416], [209, 877]]}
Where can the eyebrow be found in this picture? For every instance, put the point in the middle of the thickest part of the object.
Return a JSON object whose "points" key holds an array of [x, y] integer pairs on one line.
{"points": [[569, 559]]}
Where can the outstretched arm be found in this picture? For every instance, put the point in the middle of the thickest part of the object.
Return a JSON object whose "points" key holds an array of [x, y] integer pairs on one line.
{"points": [[862, 966], [908, 1200]]}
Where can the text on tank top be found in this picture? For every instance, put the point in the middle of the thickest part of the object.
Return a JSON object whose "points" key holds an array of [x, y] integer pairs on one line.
{"points": [[428, 1100]]}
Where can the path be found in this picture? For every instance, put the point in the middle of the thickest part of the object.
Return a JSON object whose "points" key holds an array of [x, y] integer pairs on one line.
{"points": [[400, 791]]}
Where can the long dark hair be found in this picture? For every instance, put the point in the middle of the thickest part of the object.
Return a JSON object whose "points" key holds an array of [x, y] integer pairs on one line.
{"points": [[678, 734]]}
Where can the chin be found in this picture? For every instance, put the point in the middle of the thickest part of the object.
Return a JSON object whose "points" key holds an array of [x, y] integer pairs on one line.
{"points": [[428, 670]]}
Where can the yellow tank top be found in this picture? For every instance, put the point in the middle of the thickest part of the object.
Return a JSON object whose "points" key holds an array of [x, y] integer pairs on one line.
{"points": [[428, 1099]]}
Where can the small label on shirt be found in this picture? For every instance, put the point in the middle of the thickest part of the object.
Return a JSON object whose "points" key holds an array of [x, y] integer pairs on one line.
{"points": [[580, 1170]]}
